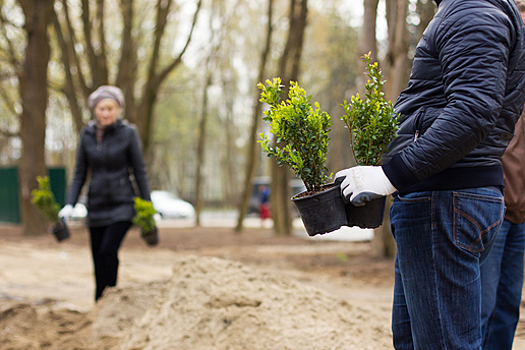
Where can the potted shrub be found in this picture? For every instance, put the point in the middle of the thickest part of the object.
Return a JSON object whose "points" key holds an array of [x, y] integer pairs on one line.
{"points": [[44, 200], [303, 132], [372, 124], [144, 218]]}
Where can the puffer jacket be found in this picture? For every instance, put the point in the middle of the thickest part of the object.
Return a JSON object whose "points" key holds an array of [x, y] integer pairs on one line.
{"points": [[465, 94], [110, 164]]}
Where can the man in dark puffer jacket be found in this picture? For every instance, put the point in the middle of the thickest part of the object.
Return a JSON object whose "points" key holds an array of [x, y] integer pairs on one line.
{"points": [[465, 94]]}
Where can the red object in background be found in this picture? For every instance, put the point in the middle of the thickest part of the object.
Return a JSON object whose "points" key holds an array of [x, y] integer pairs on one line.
{"points": [[264, 211]]}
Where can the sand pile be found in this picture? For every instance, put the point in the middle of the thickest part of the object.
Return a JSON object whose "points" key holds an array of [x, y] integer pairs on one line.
{"points": [[218, 304], [208, 304]]}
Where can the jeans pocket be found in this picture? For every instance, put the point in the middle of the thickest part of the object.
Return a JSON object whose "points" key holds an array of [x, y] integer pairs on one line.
{"points": [[477, 219], [415, 197]]}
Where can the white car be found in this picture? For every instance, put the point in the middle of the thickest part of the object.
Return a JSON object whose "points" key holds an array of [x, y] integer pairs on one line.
{"points": [[169, 206]]}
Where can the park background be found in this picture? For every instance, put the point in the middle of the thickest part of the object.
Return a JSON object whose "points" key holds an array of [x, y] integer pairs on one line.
{"points": [[189, 70]]}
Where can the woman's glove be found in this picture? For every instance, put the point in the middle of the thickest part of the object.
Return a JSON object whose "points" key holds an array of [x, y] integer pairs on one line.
{"points": [[364, 183], [66, 212]]}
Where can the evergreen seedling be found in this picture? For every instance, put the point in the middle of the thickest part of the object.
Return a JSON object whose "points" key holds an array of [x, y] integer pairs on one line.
{"points": [[301, 129], [372, 122], [44, 200], [144, 215]]}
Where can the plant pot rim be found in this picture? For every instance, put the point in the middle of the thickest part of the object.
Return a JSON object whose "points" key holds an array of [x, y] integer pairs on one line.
{"points": [[306, 194]]}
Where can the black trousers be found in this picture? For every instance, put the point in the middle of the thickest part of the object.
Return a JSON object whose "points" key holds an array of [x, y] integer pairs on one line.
{"points": [[105, 243]]}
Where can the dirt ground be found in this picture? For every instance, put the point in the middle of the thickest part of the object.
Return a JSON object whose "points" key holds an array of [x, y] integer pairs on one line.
{"points": [[200, 288]]}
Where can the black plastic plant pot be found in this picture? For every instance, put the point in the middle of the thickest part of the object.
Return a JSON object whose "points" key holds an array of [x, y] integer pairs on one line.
{"points": [[321, 212], [151, 237], [369, 215], [59, 230]]}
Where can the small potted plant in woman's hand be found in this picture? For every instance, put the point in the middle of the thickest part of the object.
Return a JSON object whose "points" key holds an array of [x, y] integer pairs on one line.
{"points": [[372, 123], [303, 131], [145, 219], [44, 200]]}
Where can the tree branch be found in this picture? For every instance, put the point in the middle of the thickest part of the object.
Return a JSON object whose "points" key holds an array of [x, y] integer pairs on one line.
{"points": [[88, 44], [71, 42], [178, 60], [69, 86], [128, 61], [162, 15], [8, 101], [11, 56], [9, 134], [102, 60]]}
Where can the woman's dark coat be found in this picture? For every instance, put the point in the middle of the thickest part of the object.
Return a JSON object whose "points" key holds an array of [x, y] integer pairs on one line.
{"points": [[111, 164]]}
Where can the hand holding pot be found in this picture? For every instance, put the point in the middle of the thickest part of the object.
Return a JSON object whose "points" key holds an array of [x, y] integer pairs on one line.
{"points": [[66, 212], [363, 183]]}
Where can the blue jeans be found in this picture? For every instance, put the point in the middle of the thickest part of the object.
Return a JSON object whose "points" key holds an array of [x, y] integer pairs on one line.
{"points": [[501, 284], [441, 236]]}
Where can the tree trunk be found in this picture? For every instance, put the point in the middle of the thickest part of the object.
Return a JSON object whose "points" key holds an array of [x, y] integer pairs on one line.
{"points": [[426, 11], [253, 149], [396, 74], [33, 91], [383, 242], [201, 138], [368, 42], [289, 71], [154, 80], [127, 69], [139, 112], [201, 143], [368, 36], [396, 61]]}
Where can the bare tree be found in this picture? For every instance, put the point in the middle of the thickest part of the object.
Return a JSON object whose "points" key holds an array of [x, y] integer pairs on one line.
{"points": [[397, 71], [396, 63], [84, 78], [217, 36], [11, 67], [33, 83], [368, 37], [252, 158], [201, 143], [289, 71], [425, 10]]}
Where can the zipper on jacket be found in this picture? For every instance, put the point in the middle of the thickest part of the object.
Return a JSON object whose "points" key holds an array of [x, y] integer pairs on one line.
{"points": [[99, 144], [418, 122]]}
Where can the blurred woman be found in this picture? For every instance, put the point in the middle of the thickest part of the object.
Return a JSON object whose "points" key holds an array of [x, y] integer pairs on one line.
{"points": [[110, 151]]}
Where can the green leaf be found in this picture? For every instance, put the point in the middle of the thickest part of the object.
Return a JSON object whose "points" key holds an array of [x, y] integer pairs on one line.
{"points": [[372, 122], [44, 200], [302, 129], [144, 213]]}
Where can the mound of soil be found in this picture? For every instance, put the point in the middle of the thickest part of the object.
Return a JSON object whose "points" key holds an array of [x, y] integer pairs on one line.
{"points": [[213, 303]]}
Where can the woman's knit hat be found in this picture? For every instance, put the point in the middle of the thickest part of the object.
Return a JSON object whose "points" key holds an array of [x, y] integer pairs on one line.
{"points": [[106, 92]]}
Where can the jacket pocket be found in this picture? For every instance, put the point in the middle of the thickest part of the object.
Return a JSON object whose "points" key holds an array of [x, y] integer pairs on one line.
{"points": [[98, 195], [477, 219], [121, 190]]}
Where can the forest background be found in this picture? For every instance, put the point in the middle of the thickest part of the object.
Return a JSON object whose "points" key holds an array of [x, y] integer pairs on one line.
{"points": [[189, 70]]}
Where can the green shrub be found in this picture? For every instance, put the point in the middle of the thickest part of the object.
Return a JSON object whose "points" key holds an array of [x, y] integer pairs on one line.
{"points": [[44, 200], [372, 122], [301, 128], [144, 214]]}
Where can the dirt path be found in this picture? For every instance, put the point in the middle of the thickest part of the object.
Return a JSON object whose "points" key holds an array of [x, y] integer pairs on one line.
{"points": [[41, 279]]}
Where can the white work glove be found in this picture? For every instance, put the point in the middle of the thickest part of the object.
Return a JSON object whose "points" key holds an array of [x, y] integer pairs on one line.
{"points": [[363, 183], [66, 212]]}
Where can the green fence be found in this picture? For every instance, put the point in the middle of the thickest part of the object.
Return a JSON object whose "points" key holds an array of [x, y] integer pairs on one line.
{"points": [[9, 192]]}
